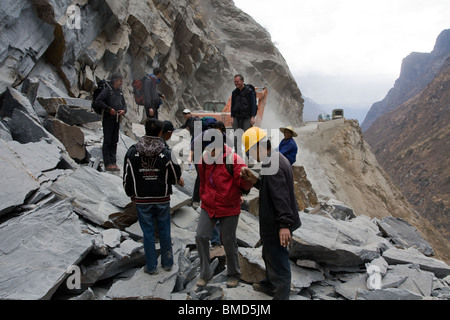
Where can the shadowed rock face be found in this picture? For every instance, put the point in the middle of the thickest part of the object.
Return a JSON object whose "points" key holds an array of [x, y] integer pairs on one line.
{"points": [[200, 45]]}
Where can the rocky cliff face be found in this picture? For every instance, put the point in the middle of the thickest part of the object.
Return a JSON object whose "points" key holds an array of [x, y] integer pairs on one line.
{"points": [[412, 144], [199, 45], [418, 70], [341, 167]]}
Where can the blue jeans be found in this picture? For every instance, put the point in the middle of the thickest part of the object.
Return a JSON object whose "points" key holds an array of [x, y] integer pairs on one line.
{"points": [[147, 216], [278, 268], [215, 237]]}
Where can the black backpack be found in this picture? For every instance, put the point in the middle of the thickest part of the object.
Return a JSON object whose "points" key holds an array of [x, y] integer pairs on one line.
{"points": [[102, 84]]}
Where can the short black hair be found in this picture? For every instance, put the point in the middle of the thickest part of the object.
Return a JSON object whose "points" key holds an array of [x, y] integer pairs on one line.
{"points": [[221, 126], [157, 71], [167, 126], [240, 76], [153, 127], [115, 76]]}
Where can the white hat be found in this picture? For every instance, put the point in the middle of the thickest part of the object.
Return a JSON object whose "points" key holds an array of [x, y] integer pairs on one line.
{"points": [[294, 134], [186, 111]]}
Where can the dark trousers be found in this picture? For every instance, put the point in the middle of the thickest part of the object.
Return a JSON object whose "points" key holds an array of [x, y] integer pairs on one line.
{"points": [[196, 194], [111, 128], [278, 269]]}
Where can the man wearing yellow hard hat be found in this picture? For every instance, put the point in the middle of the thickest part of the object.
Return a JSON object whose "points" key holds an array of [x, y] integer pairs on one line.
{"points": [[278, 212]]}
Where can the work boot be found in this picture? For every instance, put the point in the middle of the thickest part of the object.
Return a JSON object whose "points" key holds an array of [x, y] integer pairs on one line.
{"points": [[201, 282], [232, 282]]}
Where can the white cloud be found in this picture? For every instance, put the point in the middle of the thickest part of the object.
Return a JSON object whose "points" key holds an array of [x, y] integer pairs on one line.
{"points": [[350, 38]]}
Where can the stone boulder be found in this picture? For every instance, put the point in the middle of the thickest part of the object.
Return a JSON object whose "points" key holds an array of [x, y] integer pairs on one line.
{"points": [[38, 248], [17, 181], [404, 235], [96, 196], [335, 243]]}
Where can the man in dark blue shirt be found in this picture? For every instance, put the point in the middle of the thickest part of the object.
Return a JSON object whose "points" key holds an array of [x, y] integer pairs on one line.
{"points": [[288, 146]]}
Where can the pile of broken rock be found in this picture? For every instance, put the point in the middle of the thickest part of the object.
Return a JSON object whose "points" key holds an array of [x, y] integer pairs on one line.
{"points": [[68, 231]]}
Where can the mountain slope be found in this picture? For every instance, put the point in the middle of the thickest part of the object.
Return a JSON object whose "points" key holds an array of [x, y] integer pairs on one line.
{"points": [[418, 70], [412, 143]]}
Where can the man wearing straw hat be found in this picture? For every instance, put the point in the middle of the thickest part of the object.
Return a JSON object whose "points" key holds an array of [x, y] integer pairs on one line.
{"points": [[288, 146]]}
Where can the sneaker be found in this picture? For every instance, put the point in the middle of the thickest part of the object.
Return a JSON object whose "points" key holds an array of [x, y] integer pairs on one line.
{"points": [[232, 282], [258, 287], [167, 269], [109, 167], [152, 273], [195, 204], [201, 282], [115, 167]]}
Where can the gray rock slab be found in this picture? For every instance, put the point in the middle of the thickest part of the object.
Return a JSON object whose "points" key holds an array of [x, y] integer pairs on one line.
{"points": [[111, 237], [403, 234], [16, 180], [248, 229], [186, 217], [337, 243], [38, 157], [143, 286], [96, 196], [349, 288], [76, 116], [414, 279], [303, 277], [387, 294], [36, 250], [413, 256]]}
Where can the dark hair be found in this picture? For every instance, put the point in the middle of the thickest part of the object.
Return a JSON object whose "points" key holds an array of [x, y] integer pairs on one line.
{"points": [[153, 127], [240, 76], [167, 126], [221, 126], [116, 76], [157, 71]]}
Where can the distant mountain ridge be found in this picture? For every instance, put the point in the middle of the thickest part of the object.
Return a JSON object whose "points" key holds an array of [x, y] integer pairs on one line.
{"points": [[418, 70], [412, 143]]}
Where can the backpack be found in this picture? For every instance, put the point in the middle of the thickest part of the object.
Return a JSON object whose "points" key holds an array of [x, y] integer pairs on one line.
{"points": [[208, 123], [102, 84], [138, 91]]}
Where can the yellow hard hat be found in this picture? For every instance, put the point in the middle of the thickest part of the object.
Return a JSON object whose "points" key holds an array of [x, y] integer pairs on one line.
{"points": [[252, 136]]}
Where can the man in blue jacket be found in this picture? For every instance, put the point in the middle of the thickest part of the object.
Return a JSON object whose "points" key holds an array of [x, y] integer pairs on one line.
{"points": [[288, 146]]}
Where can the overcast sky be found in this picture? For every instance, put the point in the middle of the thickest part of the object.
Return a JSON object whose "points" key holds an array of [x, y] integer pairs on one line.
{"points": [[349, 51]]}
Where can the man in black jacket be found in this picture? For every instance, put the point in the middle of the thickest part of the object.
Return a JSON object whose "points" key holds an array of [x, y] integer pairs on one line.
{"points": [[112, 101], [152, 98], [278, 211], [149, 172], [243, 108]]}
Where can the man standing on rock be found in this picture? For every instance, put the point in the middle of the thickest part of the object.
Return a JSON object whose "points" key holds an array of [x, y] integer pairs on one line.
{"points": [[148, 174], [278, 211], [112, 101], [152, 99], [243, 108]]}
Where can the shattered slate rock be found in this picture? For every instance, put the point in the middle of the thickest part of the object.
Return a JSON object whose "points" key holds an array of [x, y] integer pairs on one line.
{"points": [[96, 196], [413, 256], [19, 180], [37, 249], [38, 157], [337, 243], [76, 116], [387, 294], [403, 234]]}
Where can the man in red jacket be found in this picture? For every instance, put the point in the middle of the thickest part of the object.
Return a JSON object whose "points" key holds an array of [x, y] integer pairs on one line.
{"points": [[220, 201]]}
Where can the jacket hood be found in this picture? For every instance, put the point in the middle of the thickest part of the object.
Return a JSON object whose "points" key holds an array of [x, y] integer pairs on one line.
{"points": [[150, 146]]}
